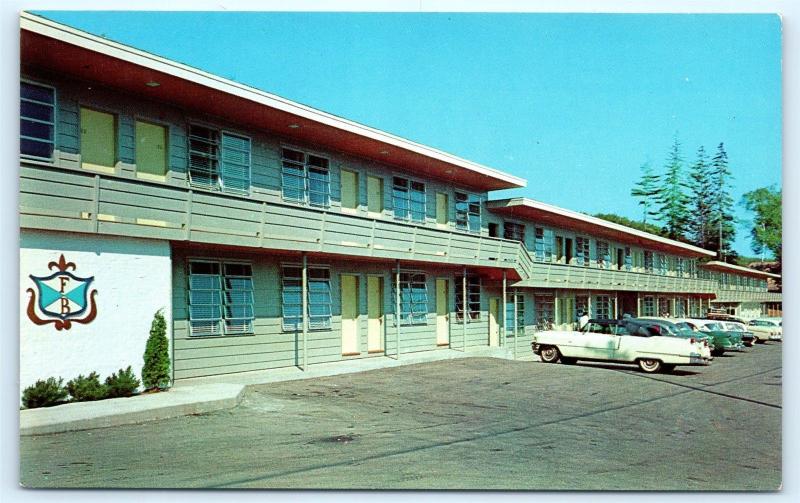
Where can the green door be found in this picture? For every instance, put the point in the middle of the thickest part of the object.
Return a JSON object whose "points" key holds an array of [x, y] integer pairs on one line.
{"points": [[98, 141], [441, 208], [374, 194], [151, 149], [349, 189]]}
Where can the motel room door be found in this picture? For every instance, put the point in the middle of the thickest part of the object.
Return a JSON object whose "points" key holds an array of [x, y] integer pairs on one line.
{"points": [[494, 326], [374, 314], [349, 315], [442, 325]]}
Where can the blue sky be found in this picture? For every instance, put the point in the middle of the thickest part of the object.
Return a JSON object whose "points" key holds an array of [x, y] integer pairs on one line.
{"points": [[573, 103]]}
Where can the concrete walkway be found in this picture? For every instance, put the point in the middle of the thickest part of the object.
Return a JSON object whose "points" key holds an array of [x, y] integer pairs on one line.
{"points": [[207, 394]]}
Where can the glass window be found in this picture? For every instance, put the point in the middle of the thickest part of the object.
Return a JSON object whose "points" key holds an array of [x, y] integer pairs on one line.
{"points": [[220, 298], [305, 178], [514, 231], [664, 306], [37, 109], [582, 251], [648, 306], [319, 298], [628, 261], [544, 308], [603, 307], [648, 261], [413, 298], [473, 298], [603, 255], [515, 314], [662, 264], [468, 212], [408, 199], [219, 161]]}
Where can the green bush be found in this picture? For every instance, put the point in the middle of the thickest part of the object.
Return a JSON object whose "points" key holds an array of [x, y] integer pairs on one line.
{"points": [[121, 384], [44, 393], [86, 389], [155, 373]]}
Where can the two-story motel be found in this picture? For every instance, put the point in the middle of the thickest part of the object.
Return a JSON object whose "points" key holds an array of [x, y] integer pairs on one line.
{"points": [[273, 234]]}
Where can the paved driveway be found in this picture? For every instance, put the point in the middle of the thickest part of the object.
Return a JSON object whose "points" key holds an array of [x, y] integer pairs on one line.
{"points": [[476, 423]]}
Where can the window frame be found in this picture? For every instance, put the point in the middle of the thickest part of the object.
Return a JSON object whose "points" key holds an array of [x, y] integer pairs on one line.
{"points": [[583, 252], [603, 259], [463, 218], [52, 156], [515, 234], [418, 310], [515, 307], [408, 216], [474, 314], [327, 322], [219, 184], [222, 327], [167, 147]]}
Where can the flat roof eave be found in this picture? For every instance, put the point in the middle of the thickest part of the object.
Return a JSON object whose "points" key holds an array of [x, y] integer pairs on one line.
{"points": [[89, 57], [717, 265], [529, 209]]}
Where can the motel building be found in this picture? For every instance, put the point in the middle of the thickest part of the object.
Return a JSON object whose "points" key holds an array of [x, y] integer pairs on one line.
{"points": [[272, 234]]}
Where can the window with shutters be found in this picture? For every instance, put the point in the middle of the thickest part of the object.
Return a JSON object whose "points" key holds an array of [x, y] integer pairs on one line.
{"points": [[220, 298], [582, 304], [603, 255], [628, 259], [219, 160], [318, 297], [544, 308], [603, 307], [37, 123], [468, 212], [408, 199], [648, 261], [413, 297], [582, 251], [305, 178], [473, 298], [514, 231], [648, 306]]}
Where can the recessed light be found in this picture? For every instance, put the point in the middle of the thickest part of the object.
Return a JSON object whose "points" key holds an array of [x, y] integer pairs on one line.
{"points": [[152, 83], [384, 152], [294, 126]]}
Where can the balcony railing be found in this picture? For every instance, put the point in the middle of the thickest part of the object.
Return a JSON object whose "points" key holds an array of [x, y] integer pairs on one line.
{"points": [[748, 296], [553, 275], [72, 200]]}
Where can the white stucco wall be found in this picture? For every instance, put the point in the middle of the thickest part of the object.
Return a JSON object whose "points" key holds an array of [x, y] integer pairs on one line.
{"points": [[133, 280]]}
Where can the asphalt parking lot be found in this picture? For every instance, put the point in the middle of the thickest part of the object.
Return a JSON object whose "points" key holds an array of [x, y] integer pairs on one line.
{"points": [[474, 423]]}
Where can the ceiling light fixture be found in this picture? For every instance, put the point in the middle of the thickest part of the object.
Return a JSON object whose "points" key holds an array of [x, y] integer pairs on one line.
{"points": [[152, 83], [294, 126]]}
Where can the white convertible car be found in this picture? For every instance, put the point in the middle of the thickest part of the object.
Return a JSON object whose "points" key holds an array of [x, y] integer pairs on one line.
{"points": [[620, 341]]}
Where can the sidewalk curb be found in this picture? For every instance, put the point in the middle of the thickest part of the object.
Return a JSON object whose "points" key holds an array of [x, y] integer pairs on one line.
{"points": [[122, 411]]}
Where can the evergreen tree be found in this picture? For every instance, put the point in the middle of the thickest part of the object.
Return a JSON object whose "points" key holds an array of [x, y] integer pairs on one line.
{"points": [[721, 219], [672, 203], [155, 373], [766, 203], [645, 190], [701, 186]]}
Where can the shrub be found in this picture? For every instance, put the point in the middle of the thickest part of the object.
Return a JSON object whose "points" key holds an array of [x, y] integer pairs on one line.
{"points": [[86, 389], [44, 393], [155, 373], [121, 384]]}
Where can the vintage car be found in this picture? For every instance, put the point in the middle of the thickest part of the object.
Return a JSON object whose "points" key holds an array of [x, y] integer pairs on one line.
{"points": [[748, 337], [766, 329], [668, 327], [721, 340], [619, 341]]}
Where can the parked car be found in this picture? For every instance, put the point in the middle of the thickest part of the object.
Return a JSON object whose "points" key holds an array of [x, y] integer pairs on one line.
{"points": [[748, 337], [721, 340], [619, 341], [766, 329], [670, 328], [717, 326]]}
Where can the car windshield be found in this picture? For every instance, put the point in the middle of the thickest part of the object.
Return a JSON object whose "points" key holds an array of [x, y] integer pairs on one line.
{"points": [[714, 326], [667, 327], [735, 327]]}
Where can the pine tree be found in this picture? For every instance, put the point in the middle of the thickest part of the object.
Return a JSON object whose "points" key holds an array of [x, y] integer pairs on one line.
{"points": [[701, 186], [155, 373], [721, 220], [672, 201], [645, 190]]}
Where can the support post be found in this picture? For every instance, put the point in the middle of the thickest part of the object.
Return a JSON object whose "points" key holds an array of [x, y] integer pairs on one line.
{"points": [[464, 310], [305, 311], [397, 311], [516, 323]]}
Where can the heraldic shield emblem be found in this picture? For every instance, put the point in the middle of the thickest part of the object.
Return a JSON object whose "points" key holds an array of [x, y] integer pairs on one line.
{"points": [[61, 298]]}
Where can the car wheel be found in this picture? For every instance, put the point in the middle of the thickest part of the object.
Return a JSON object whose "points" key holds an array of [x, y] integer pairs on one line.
{"points": [[756, 340], [650, 366], [568, 361], [549, 354]]}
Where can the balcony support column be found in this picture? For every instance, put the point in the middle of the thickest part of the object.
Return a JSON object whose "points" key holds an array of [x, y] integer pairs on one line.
{"points": [[503, 326], [305, 311]]}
